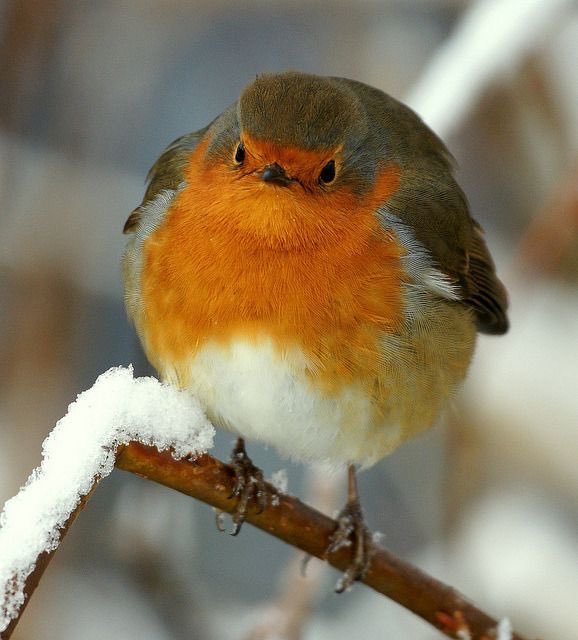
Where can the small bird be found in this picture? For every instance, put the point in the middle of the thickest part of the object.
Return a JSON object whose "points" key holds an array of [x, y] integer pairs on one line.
{"points": [[307, 266]]}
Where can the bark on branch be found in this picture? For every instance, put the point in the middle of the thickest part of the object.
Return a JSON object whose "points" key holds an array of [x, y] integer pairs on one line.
{"points": [[211, 481]]}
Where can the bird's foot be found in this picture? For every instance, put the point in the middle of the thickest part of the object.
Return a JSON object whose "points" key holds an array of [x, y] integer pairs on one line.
{"points": [[249, 486], [352, 530]]}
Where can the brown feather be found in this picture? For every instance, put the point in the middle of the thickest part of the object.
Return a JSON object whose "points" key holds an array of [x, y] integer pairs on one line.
{"points": [[132, 221], [487, 295], [166, 172]]}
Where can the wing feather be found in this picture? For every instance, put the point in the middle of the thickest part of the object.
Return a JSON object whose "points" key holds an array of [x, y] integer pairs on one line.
{"points": [[166, 173]]}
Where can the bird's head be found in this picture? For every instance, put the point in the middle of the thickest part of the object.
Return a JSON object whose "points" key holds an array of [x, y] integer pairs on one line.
{"points": [[290, 162], [301, 130]]}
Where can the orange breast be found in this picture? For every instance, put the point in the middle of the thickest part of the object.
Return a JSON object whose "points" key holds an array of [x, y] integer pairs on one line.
{"points": [[236, 257]]}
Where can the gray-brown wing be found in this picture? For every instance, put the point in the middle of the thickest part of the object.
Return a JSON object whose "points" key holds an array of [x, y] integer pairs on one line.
{"points": [[438, 214], [485, 294], [430, 201], [166, 172]]}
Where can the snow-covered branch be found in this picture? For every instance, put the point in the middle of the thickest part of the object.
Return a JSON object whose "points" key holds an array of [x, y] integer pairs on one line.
{"points": [[80, 451]]}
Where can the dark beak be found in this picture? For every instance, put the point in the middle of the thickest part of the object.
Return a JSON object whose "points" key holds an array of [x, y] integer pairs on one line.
{"points": [[276, 174]]}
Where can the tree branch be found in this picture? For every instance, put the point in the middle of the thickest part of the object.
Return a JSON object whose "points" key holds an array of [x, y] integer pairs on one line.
{"points": [[211, 481], [42, 562]]}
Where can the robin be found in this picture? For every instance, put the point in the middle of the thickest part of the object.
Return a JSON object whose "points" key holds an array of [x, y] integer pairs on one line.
{"points": [[306, 265]]}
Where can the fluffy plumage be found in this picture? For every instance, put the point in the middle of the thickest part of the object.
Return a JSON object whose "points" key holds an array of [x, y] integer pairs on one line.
{"points": [[331, 320]]}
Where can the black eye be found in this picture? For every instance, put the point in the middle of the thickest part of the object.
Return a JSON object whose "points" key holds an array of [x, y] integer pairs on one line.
{"points": [[327, 174], [240, 153]]}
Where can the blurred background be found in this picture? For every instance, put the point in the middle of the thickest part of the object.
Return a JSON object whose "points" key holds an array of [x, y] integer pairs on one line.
{"points": [[90, 93]]}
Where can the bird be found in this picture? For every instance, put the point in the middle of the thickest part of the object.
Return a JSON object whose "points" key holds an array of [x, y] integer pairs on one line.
{"points": [[307, 266]]}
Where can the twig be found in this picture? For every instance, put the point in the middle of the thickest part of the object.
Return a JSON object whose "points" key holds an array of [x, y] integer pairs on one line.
{"points": [[211, 481]]}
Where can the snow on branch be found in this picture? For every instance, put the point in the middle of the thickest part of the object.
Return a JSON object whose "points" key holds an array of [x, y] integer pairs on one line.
{"points": [[491, 39], [504, 630], [80, 451]]}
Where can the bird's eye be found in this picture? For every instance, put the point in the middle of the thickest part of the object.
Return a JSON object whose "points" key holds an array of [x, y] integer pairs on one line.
{"points": [[240, 153], [327, 174]]}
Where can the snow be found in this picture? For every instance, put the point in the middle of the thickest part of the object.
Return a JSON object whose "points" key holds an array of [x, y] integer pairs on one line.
{"points": [[280, 480], [378, 537], [504, 630], [81, 450]]}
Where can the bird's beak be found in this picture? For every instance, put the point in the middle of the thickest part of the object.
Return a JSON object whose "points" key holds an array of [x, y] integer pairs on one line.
{"points": [[276, 174]]}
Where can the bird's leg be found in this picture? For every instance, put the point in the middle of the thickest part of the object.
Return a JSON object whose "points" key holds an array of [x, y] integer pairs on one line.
{"points": [[249, 485], [351, 529]]}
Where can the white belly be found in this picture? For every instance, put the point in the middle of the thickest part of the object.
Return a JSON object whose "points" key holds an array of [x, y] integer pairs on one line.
{"points": [[249, 388], [252, 390]]}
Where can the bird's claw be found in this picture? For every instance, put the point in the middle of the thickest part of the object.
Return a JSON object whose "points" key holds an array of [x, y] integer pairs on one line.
{"points": [[249, 487], [351, 530]]}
